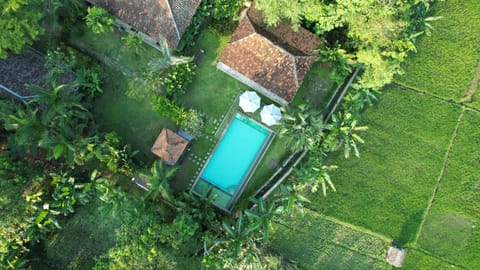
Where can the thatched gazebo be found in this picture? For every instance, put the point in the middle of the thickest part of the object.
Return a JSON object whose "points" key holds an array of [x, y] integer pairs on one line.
{"points": [[169, 146]]}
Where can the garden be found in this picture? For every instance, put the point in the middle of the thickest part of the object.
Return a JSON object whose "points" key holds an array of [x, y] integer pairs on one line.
{"points": [[408, 179]]}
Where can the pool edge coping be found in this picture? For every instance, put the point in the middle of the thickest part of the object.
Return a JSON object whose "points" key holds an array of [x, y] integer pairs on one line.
{"points": [[243, 183]]}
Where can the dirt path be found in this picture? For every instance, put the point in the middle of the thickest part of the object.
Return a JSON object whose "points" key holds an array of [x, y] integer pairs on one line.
{"points": [[473, 86]]}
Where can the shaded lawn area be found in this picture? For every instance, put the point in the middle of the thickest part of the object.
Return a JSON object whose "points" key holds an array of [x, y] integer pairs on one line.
{"points": [[12, 205], [317, 87], [316, 243], [125, 108], [112, 46], [452, 228], [446, 60], [84, 236], [388, 188], [212, 91]]}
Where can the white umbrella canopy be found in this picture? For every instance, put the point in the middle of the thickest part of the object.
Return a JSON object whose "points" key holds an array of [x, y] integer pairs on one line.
{"points": [[270, 115], [249, 101]]}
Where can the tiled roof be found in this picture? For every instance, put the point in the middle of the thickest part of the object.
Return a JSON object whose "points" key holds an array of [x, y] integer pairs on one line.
{"points": [[167, 18], [169, 146], [276, 58]]}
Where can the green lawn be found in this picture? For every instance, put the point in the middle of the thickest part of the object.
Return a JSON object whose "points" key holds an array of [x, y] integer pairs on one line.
{"points": [[12, 204], [110, 45], [446, 60], [212, 91], [451, 229], [388, 188], [125, 105]]}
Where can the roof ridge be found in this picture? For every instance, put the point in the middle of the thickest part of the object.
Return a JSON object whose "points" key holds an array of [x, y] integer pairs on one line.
{"points": [[173, 19], [245, 37], [295, 72]]}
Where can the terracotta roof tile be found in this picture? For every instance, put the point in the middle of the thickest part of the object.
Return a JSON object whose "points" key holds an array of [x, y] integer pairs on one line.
{"points": [[244, 29], [275, 64], [169, 146], [297, 42], [154, 17]]}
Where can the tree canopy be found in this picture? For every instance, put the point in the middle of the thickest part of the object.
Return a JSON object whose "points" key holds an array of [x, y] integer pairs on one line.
{"points": [[379, 34]]}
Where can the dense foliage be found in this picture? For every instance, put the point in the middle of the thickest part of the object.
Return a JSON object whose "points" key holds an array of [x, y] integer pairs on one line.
{"points": [[221, 12], [99, 20], [377, 35], [19, 25]]}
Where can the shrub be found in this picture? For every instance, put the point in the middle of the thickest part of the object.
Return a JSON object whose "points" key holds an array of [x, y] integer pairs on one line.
{"points": [[99, 20], [193, 123], [132, 41], [177, 81]]}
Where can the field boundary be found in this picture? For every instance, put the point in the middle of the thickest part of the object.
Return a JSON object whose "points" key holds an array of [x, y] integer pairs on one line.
{"points": [[440, 98], [431, 254], [334, 243], [351, 226], [440, 176]]}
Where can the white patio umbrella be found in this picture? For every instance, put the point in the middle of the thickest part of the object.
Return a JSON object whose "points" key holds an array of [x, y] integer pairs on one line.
{"points": [[270, 114], [249, 101]]}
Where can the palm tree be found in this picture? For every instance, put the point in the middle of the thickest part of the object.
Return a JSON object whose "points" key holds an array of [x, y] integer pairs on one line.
{"points": [[168, 59], [28, 129], [157, 182]]}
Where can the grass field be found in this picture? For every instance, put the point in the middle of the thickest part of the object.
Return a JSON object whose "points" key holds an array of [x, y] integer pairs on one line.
{"points": [[446, 60], [451, 229], [388, 188], [420, 137]]}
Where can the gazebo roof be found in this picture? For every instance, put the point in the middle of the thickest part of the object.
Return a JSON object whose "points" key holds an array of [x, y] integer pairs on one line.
{"points": [[167, 18], [274, 59], [169, 146]]}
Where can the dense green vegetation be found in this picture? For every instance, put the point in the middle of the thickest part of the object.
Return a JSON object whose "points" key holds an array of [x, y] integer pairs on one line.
{"points": [[450, 229], [387, 189], [76, 208], [446, 60], [316, 242]]}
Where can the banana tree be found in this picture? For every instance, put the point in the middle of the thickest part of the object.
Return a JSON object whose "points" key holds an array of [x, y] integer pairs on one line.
{"points": [[345, 130], [158, 182], [313, 174], [261, 215], [303, 126], [238, 248]]}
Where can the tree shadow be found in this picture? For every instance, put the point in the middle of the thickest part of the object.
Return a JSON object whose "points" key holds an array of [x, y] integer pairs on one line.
{"points": [[409, 230]]}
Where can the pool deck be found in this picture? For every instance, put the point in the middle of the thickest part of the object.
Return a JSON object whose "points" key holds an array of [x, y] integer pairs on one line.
{"points": [[220, 198]]}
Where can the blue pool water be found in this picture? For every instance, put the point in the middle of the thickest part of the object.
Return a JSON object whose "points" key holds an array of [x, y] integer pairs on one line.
{"points": [[235, 154]]}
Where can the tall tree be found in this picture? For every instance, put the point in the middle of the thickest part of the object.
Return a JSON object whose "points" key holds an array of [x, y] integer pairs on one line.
{"points": [[19, 25], [380, 34]]}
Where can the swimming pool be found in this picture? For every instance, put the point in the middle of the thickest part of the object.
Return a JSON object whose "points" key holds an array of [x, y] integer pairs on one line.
{"points": [[233, 161]]}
